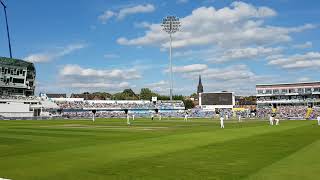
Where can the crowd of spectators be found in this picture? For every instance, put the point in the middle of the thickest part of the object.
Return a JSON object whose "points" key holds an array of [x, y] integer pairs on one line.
{"points": [[77, 109], [264, 112], [289, 112], [120, 105], [292, 112], [121, 114], [88, 114], [19, 98], [194, 113]]}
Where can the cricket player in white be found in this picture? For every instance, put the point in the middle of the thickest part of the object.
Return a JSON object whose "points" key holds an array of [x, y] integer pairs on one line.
{"points": [[239, 118], [132, 117], [271, 120], [221, 121], [159, 117], [277, 121], [128, 119], [318, 118], [186, 117], [227, 117]]}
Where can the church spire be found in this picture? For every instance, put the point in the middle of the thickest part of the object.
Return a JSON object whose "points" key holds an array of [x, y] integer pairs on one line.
{"points": [[200, 87]]}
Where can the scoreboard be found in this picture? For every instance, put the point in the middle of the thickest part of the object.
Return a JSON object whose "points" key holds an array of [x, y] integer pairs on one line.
{"points": [[217, 100]]}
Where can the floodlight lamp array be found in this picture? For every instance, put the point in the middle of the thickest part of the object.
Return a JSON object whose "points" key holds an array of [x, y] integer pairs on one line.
{"points": [[171, 24]]}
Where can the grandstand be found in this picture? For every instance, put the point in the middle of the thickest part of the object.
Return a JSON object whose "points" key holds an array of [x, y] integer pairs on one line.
{"points": [[26, 107], [289, 101], [79, 107]]}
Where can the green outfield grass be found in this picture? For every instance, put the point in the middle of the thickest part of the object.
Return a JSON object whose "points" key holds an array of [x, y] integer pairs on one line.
{"points": [[167, 149]]}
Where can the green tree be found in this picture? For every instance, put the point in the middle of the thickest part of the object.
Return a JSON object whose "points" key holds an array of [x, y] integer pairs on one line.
{"points": [[188, 104], [128, 94], [178, 97], [118, 96], [194, 95], [163, 97], [146, 94]]}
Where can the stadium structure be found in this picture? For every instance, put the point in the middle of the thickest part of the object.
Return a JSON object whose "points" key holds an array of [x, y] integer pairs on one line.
{"points": [[17, 100], [80, 108], [17, 77], [301, 94], [289, 100], [17, 86]]}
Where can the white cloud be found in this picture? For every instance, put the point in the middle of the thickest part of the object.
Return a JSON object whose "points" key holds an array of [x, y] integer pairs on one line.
{"points": [[87, 79], [157, 84], [135, 10], [236, 72], [77, 71], [39, 57], [245, 54], [222, 55], [297, 61], [49, 56], [241, 24], [109, 86], [124, 12], [162, 87], [141, 24], [305, 45], [189, 68], [106, 16], [227, 73]]}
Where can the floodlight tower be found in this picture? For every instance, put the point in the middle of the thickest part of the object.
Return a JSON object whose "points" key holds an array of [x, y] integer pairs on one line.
{"points": [[8, 34], [171, 24]]}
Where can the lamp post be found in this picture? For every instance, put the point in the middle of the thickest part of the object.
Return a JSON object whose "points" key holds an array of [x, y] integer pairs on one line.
{"points": [[170, 24], [8, 34]]}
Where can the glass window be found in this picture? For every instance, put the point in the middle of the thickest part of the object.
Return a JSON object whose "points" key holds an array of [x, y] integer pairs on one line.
{"points": [[317, 89], [292, 90], [268, 91], [300, 90], [284, 91], [308, 90], [276, 91], [16, 80], [260, 91]]}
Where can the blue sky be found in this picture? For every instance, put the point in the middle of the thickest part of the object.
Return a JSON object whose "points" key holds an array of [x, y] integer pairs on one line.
{"points": [[109, 45]]}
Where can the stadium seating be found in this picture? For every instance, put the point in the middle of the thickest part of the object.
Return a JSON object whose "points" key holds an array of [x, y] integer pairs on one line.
{"points": [[289, 112]]}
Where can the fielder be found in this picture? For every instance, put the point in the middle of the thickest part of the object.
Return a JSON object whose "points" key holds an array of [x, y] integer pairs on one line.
{"points": [[239, 118], [271, 120], [186, 117], [277, 121], [132, 117], [221, 121], [128, 119], [152, 116], [318, 118]]}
